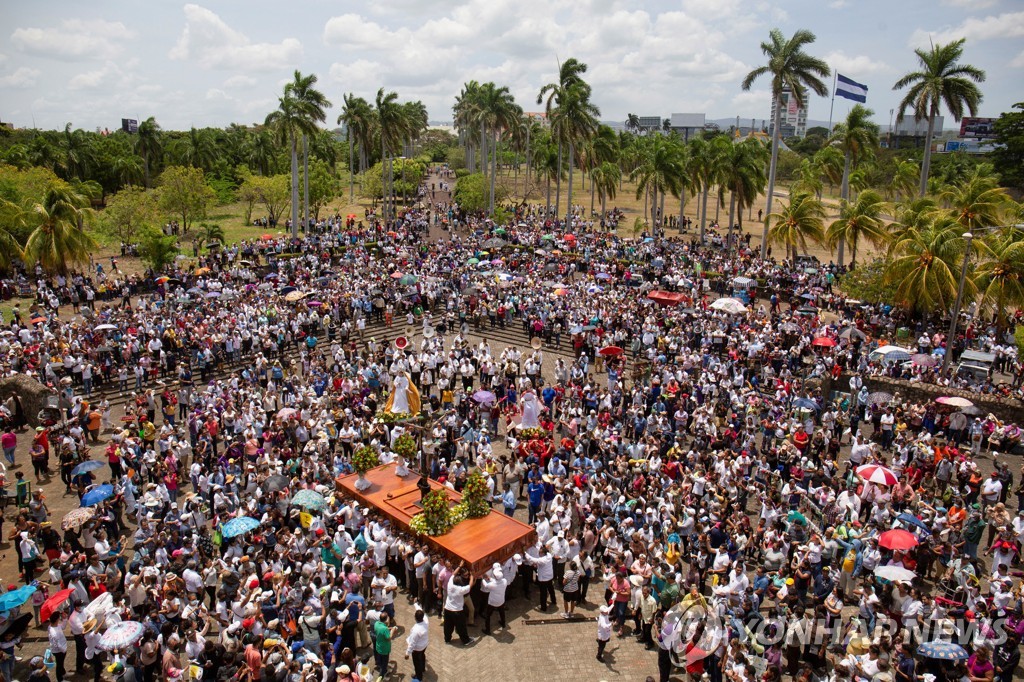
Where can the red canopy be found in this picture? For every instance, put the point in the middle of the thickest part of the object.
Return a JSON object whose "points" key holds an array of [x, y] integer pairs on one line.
{"points": [[666, 297], [897, 539]]}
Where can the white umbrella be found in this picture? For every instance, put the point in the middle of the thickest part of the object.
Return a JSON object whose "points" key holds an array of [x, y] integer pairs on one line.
{"points": [[896, 574], [729, 305], [873, 473], [105, 327]]}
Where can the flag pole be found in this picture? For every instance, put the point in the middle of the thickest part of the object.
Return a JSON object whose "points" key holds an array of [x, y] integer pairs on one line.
{"points": [[835, 79]]}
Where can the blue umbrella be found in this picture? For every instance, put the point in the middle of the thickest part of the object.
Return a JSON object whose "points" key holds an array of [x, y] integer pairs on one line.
{"points": [[914, 521], [603, 275], [97, 495], [15, 598], [805, 403], [943, 651], [239, 525], [286, 290], [310, 499], [86, 467]]}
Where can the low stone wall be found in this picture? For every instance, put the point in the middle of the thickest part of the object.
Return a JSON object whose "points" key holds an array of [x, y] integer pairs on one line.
{"points": [[1007, 409]]}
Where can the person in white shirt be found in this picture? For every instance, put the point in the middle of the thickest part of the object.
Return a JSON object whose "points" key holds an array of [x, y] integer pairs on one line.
{"points": [[494, 584], [416, 645], [604, 630], [455, 603], [384, 587], [544, 563], [58, 645]]}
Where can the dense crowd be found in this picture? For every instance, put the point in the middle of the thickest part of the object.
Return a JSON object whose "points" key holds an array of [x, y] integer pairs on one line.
{"points": [[677, 456]]}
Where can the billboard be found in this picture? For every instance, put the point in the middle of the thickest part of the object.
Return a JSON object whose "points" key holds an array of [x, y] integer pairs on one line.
{"points": [[650, 122], [909, 127], [793, 112], [688, 120], [969, 146], [130, 125], [981, 128]]}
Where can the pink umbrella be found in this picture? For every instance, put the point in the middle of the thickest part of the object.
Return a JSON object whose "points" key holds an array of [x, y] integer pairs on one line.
{"points": [[873, 473]]}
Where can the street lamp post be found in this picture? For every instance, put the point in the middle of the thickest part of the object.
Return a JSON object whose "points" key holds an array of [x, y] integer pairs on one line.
{"points": [[951, 337]]}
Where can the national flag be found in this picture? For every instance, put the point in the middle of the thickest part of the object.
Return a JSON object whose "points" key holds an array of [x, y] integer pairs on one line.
{"points": [[851, 89]]}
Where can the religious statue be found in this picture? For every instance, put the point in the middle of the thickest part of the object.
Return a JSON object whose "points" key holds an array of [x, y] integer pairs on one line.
{"points": [[531, 410], [404, 398]]}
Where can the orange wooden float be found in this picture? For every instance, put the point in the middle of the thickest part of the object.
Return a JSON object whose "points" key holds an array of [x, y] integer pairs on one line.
{"points": [[479, 542]]}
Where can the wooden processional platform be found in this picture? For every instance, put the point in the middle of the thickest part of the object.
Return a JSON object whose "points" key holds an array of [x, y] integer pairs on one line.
{"points": [[479, 542]]}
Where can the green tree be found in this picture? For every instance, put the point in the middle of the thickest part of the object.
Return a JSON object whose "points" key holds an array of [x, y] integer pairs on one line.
{"points": [[606, 179], [570, 75], [58, 240], [861, 219], [292, 119], [127, 212], [799, 222], [1008, 153], [197, 149], [940, 79], [157, 249], [745, 175], [184, 194], [788, 67], [978, 202], [323, 187], [1000, 272], [274, 195], [314, 104], [210, 233], [12, 216], [925, 268], [473, 193], [391, 121]]}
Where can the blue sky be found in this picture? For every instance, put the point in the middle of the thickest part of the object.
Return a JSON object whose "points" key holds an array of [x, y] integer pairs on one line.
{"points": [[217, 62]]}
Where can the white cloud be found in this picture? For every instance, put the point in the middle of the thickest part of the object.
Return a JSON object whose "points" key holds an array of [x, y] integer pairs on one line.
{"points": [[838, 4], [208, 40], [24, 77], [970, 4], [74, 39], [240, 81], [1018, 61], [854, 65], [110, 76], [1007, 25]]}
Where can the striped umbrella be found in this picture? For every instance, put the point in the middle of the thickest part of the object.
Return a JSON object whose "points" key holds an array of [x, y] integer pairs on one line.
{"points": [[873, 473]]}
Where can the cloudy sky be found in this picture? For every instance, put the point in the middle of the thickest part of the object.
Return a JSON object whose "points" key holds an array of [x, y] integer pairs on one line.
{"points": [[217, 62]]}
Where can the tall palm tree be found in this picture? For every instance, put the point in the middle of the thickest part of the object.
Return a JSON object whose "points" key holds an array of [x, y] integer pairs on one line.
{"points": [[545, 161], [570, 74], [904, 181], [856, 138], [575, 122], [940, 79], [148, 146], [259, 151], [789, 67], [290, 120], [925, 267], [79, 153], [861, 219], [709, 158], [1000, 272], [660, 170], [11, 216], [977, 202], [128, 169], [633, 123], [798, 223], [391, 119], [314, 105], [58, 240]]}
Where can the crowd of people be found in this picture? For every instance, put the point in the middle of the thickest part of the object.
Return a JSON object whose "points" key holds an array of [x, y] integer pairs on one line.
{"points": [[676, 458]]}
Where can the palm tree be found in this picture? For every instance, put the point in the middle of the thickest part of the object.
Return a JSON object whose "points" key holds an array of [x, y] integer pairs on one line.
{"points": [[856, 138], [314, 103], [291, 119], [58, 239], [575, 121], [1000, 272], [570, 73], [11, 216], [128, 169], [259, 151], [147, 145], [745, 174], [196, 149], [391, 119], [605, 178], [925, 267], [861, 219], [79, 154], [904, 180], [709, 160], [941, 79], [799, 222], [660, 170], [789, 67], [633, 123], [546, 163], [978, 202]]}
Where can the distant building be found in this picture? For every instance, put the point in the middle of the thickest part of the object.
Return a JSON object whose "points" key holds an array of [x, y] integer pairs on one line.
{"points": [[910, 133], [793, 118], [687, 124]]}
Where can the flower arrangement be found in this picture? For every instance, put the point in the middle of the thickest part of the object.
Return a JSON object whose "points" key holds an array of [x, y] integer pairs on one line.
{"points": [[534, 433], [474, 496], [436, 518], [392, 418], [405, 446], [364, 459]]}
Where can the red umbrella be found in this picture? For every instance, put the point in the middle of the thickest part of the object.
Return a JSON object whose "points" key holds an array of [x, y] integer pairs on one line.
{"points": [[267, 237], [873, 473], [824, 342], [54, 603], [611, 351], [897, 540]]}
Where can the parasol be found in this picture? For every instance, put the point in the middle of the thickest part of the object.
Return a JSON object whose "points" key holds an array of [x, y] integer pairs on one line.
{"points": [[879, 398], [729, 305], [53, 603], [954, 401], [122, 635], [852, 333], [86, 467], [76, 517], [105, 327], [276, 482], [15, 598], [912, 520], [924, 360], [286, 413], [611, 351], [873, 473], [293, 296], [239, 526], [943, 651], [824, 342], [896, 574], [97, 495], [897, 540], [484, 397], [309, 499]]}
